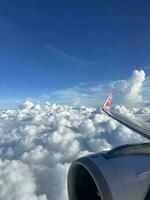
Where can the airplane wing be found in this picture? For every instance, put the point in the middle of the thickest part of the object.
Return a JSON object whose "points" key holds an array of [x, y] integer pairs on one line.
{"points": [[142, 128]]}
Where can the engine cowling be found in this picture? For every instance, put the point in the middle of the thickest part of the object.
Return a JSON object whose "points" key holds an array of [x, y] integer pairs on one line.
{"points": [[120, 174]]}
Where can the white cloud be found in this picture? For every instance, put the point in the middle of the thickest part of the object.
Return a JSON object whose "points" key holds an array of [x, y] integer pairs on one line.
{"points": [[39, 142], [134, 86], [97, 144], [130, 91], [17, 181], [134, 89]]}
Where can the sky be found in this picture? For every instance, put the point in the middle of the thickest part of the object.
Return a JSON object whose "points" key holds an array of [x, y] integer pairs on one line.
{"points": [[48, 46], [70, 52]]}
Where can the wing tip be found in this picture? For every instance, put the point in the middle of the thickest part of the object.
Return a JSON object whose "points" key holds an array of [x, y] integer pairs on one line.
{"points": [[107, 103]]}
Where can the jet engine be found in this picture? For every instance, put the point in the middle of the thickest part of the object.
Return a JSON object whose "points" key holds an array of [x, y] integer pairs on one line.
{"points": [[119, 174]]}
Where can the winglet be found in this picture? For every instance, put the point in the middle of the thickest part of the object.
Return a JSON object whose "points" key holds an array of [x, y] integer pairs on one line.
{"points": [[108, 101]]}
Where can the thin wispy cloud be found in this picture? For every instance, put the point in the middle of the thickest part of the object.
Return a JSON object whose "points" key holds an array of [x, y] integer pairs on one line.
{"points": [[61, 53], [70, 57]]}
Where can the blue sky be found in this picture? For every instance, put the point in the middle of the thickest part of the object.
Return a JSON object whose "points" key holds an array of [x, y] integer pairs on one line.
{"points": [[47, 46]]}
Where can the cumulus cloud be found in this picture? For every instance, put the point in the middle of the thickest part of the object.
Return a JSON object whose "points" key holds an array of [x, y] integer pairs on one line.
{"points": [[137, 80], [17, 181], [133, 89], [39, 142]]}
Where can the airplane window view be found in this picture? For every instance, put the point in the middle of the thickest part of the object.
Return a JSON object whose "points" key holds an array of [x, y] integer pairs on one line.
{"points": [[74, 100]]}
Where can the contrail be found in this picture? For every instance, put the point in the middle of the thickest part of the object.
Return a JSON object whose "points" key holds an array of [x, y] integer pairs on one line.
{"points": [[70, 57]]}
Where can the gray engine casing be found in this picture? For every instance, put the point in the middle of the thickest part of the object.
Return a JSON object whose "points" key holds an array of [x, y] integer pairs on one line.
{"points": [[120, 174]]}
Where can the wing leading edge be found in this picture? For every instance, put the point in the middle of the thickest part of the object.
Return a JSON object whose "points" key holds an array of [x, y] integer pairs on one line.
{"points": [[138, 126]]}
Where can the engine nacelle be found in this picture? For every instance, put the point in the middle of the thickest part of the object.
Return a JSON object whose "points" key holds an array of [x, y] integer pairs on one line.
{"points": [[120, 174]]}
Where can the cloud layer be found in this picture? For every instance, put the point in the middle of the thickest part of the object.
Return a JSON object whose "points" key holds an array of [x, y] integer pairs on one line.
{"points": [[39, 142], [134, 89]]}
